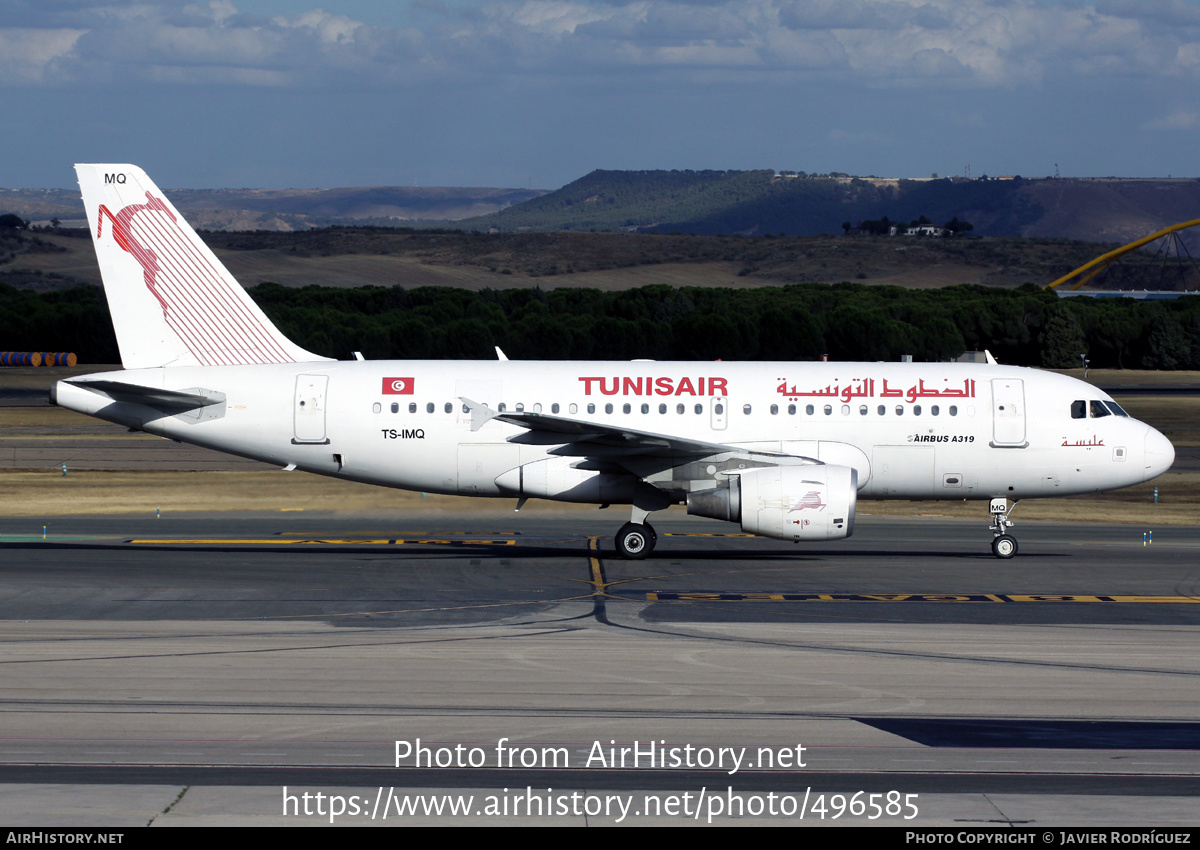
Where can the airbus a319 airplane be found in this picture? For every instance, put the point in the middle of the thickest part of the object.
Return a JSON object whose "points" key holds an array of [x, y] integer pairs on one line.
{"points": [[783, 449]]}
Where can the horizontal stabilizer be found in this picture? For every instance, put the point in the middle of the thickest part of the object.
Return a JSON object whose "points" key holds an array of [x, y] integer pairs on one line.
{"points": [[174, 400]]}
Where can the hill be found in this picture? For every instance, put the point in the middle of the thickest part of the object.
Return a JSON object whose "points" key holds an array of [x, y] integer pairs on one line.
{"points": [[287, 209], [793, 203]]}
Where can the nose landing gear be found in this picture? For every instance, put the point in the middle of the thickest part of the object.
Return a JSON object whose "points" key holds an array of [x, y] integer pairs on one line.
{"points": [[1004, 545]]}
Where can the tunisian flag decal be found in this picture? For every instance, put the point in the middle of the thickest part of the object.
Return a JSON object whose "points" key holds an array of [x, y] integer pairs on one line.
{"points": [[397, 386]]}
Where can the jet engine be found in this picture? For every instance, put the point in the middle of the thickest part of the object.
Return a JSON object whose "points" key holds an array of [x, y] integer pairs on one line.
{"points": [[811, 502]]}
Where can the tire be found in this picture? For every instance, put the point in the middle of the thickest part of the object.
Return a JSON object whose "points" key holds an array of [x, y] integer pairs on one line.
{"points": [[634, 541], [1004, 546]]}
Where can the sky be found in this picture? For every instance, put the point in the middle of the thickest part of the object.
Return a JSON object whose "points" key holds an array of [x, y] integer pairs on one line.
{"points": [[536, 93]]}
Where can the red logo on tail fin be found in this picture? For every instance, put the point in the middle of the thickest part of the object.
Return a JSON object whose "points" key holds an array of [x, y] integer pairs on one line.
{"points": [[122, 232]]}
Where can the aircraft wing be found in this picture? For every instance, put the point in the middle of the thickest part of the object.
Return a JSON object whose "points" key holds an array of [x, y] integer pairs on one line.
{"points": [[593, 438]]}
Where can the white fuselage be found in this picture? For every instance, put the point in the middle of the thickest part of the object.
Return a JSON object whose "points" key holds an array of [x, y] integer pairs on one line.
{"points": [[911, 431]]}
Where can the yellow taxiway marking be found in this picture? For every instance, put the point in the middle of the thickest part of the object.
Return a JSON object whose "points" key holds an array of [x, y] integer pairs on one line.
{"points": [[326, 541], [594, 561], [419, 533], [683, 596], [702, 534]]}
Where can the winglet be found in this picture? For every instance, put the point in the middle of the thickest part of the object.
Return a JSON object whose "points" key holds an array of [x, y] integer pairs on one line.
{"points": [[481, 414]]}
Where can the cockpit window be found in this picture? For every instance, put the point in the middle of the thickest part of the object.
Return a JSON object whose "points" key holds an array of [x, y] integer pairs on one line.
{"points": [[1115, 408], [1079, 409], [1098, 410]]}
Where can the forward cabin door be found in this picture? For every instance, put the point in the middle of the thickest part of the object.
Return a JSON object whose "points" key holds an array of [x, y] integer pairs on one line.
{"points": [[1008, 413]]}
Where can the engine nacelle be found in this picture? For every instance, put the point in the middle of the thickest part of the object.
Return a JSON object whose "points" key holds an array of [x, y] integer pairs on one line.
{"points": [[810, 502]]}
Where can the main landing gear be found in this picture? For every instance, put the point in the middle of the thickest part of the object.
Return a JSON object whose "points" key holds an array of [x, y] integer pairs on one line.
{"points": [[1004, 545], [637, 537], [636, 540]]}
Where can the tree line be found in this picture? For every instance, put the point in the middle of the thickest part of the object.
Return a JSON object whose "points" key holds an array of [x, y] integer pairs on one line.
{"points": [[1023, 326]]}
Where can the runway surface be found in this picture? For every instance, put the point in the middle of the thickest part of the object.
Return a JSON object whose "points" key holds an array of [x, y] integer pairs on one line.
{"points": [[228, 657]]}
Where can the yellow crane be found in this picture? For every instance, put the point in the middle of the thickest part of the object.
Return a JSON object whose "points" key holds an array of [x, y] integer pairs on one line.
{"points": [[1100, 263]]}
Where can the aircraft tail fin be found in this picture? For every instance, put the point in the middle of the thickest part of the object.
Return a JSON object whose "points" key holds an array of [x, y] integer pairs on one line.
{"points": [[172, 301]]}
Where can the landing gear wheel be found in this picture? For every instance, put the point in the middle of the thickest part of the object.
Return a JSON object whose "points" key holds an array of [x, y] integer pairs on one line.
{"points": [[1004, 546], [635, 541], [653, 533]]}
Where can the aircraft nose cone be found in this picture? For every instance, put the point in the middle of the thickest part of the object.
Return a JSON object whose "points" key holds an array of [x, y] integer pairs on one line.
{"points": [[1160, 454]]}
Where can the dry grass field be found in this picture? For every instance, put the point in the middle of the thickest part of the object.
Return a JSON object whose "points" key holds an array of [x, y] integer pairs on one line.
{"points": [[364, 257]]}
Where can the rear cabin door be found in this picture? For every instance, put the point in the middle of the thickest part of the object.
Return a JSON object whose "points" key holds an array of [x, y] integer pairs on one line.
{"points": [[309, 409]]}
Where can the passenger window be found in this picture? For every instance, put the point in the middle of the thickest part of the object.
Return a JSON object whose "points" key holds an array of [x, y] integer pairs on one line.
{"points": [[574, 408], [1079, 409], [429, 407], [699, 409], [395, 407], [608, 408], [954, 410], [774, 410], [1098, 410], [882, 410], [791, 410], [626, 408], [935, 410], [520, 407], [862, 410], [502, 407], [808, 408], [554, 407], [899, 410], [916, 410], [746, 409], [645, 408], [412, 407], [537, 408], [449, 407], [591, 408], [662, 408], [718, 408], [679, 408], [845, 410], [829, 410]]}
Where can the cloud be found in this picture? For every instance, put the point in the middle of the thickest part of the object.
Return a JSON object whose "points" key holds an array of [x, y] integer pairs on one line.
{"points": [[951, 43], [1180, 119], [32, 55]]}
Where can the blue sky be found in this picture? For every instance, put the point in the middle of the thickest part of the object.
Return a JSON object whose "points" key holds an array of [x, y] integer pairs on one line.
{"points": [[535, 93]]}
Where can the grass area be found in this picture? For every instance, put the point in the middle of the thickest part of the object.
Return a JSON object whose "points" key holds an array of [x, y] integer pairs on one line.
{"points": [[50, 493], [1133, 379]]}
